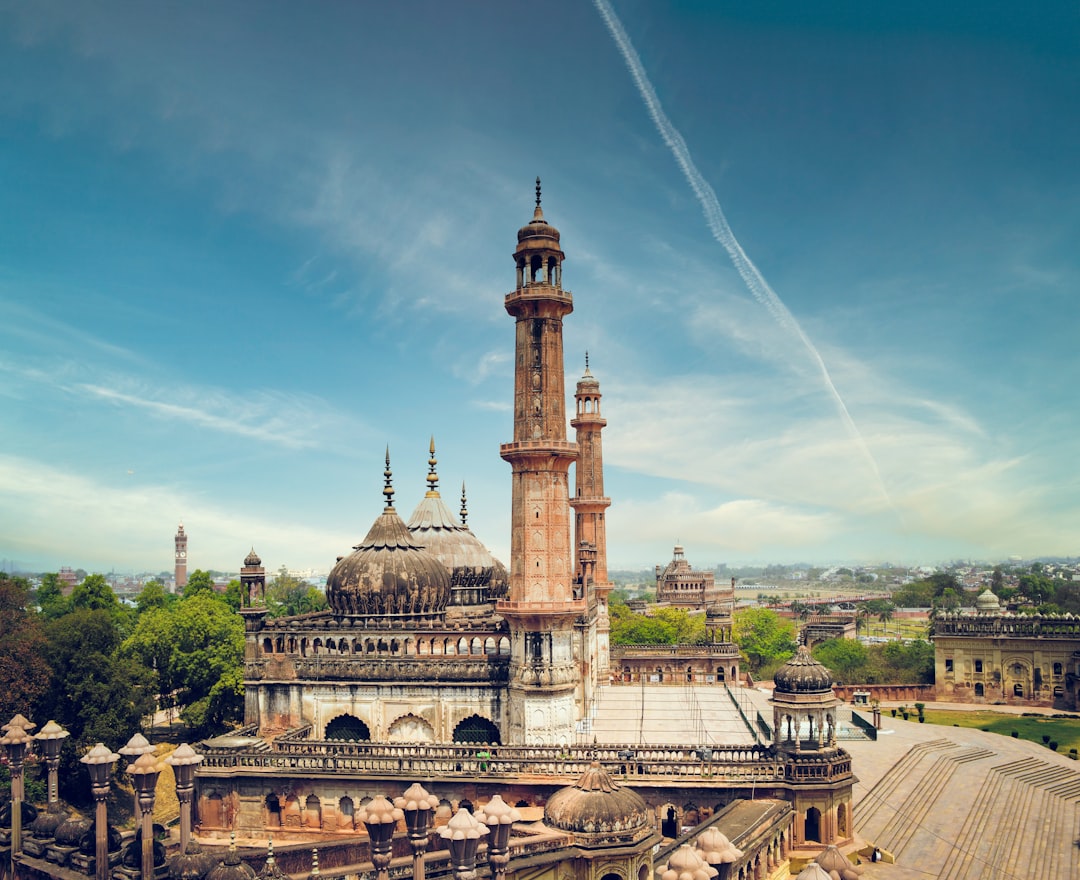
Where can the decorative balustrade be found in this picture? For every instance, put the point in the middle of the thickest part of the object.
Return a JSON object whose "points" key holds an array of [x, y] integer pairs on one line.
{"points": [[736, 764], [720, 651]]}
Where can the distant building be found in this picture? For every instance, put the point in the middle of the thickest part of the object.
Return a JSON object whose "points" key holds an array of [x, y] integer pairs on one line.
{"points": [[181, 558], [679, 584], [67, 580], [995, 656]]}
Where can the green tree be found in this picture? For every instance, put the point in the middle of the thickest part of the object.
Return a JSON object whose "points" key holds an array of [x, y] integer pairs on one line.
{"points": [[24, 672], [287, 595], [846, 658], [199, 581], [153, 595], [997, 580], [50, 597], [95, 693], [194, 647], [94, 594], [763, 636], [234, 594]]}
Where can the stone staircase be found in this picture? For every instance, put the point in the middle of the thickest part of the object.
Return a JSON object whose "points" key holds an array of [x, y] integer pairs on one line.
{"points": [[966, 811]]}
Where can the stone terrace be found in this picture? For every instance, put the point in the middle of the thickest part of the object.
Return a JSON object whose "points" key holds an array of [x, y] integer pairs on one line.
{"points": [[960, 804]]}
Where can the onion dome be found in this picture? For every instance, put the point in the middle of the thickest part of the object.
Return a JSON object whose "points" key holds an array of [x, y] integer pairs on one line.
{"points": [[388, 572], [453, 543], [715, 847], [802, 674], [598, 811], [232, 868], [71, 831], [45, 825], [538, 232], [191, 864], [836, 866], [271, 871], [588, 379], [686, 863], [988, 602], [252, 558]]}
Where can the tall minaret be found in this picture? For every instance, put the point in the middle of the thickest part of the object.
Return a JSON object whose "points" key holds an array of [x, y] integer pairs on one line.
{"points": [[541, 608], [181, 558], [590, 535]]}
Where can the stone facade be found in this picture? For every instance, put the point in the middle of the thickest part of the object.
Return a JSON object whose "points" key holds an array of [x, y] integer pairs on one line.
{"points": [[993, 656]]}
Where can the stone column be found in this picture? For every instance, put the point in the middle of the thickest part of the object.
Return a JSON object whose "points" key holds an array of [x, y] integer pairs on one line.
{"points": [[99, 761]]}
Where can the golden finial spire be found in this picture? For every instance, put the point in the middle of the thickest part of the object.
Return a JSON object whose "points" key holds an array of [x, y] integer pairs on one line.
{"points": [[432, 477], [315, 863], [388, 489], [464, 510], [587, 373]]}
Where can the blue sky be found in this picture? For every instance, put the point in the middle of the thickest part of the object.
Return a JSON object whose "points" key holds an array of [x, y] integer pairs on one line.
{"points": [[243, 247]]}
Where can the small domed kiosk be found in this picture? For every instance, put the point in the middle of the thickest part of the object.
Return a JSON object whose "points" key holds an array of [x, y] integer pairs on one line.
{"points": [[803, 693]]}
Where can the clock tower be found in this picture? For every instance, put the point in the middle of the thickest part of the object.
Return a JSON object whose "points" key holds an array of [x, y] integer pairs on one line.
{"points": [[181, 558]]}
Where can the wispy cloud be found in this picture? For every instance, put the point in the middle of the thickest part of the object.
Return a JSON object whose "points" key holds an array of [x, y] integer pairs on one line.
{"points": [[129, 526]]}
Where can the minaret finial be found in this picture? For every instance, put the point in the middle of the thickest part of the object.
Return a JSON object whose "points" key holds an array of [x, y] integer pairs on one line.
{"points": [[270, 851], [315, 863], [432, 477], [388, 489], [538, 192], [464, 510]]}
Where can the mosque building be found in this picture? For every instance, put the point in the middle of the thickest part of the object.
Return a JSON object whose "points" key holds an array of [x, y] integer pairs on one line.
{"points": [[434, 661]]}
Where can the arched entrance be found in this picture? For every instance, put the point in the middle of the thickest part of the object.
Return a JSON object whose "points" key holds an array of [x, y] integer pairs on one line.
{"points": [[476, 729], [669, 825], [813, 825], [348, 728]]}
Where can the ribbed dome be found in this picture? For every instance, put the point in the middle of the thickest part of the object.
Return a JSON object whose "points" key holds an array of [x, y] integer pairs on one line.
{"points": [[388, 573], [802, 674], [538, 228], [192, 864], [232, 868], [988, 602], [252, 558], [598, 811]]}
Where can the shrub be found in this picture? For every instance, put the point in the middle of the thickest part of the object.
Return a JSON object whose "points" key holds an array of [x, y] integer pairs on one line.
{"points": [[1053, 745], [1046, 739], [1015, 734]]}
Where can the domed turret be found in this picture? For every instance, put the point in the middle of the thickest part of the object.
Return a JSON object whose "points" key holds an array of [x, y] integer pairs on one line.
{"points": [[538, 255], [474, 572], [252, 558], [802, 674], [388, 573], [598, 811], [988, 602]]}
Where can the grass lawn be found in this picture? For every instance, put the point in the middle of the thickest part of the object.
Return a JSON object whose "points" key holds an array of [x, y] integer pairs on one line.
{"points": [[1064, 730]]}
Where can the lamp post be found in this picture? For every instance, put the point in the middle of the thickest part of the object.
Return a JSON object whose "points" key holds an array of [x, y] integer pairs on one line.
{"points": [[16, 742], [499, 816], [99, 761], [144, 773], [52, 737], [380, 818], [419, 807], [462, 835], [184, 761], [136, 746]]}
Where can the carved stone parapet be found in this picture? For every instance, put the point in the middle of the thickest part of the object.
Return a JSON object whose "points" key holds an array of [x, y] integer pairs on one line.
{"points": [[480, 670]]}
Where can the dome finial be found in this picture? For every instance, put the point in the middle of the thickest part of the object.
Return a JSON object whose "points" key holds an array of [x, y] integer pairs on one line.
{"points": [[388, 489], [587, 373], [538, 213], [464, 510], [432, 477]]}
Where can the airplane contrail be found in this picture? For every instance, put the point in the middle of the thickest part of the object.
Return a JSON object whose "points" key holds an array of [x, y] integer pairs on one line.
{"points": [[718, 225]]}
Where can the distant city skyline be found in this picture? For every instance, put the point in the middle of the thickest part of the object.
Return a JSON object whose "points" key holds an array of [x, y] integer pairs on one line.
{"points": [[244, 247]]}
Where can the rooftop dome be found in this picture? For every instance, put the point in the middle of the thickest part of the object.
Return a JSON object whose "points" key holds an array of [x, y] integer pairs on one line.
{"points": [[232, 868], [988, 602], [191, 864], [453, 543], [388, 573], [802, 674], [252, 558], [538, 234], [598, 811]]}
